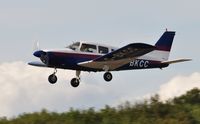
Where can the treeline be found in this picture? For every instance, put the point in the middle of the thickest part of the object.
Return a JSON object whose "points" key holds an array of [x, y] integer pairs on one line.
{"points": [[180, 110]]}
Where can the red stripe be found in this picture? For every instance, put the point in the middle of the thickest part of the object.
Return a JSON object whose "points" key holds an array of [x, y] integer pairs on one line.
{"points": [[78, 55], [163, 48]]}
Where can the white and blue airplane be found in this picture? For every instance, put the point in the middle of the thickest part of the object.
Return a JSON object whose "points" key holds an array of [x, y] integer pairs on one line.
{"points": [[93, 57]]}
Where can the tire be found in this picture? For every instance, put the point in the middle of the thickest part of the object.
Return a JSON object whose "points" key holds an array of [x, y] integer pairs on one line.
{"points": [[52, 79], [75, 82], [107, 76]]}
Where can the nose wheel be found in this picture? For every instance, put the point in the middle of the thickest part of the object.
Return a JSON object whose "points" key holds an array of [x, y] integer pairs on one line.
{"points": [[107, 76], [53, 78]]}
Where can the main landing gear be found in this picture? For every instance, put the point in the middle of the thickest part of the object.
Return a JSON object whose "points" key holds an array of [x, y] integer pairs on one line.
{"points": [[76, 81], [53, 78], [107, 76]]}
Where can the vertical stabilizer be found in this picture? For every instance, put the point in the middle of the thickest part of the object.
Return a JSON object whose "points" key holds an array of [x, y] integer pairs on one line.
{"points": [[165, 41], [163, 46]]}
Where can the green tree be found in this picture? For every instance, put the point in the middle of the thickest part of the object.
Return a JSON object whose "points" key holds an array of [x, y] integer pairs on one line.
{"points": [[180, 110]]}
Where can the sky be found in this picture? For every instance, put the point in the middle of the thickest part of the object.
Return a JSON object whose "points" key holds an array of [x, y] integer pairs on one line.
{"points": [[56, 24]]}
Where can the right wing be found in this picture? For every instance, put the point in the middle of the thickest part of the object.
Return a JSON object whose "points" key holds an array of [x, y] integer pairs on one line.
{"points": [[119, 57]]}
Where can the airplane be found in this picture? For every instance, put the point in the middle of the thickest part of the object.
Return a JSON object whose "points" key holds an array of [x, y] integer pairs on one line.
{"points": [[95, 57]]}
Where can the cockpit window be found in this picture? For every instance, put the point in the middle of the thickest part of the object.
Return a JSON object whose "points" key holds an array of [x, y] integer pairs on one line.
{"points": [[88, 48], [74, 46], [103, 50]]}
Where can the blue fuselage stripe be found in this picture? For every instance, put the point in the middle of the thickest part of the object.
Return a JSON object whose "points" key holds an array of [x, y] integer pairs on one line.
{"points": [[70, 60]]}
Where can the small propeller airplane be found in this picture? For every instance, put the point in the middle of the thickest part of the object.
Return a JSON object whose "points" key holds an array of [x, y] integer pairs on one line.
{"points": [[93, 57]]}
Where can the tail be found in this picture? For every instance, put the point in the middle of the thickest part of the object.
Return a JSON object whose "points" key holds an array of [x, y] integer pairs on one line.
{"points": [[163, 48], [164, 44]]}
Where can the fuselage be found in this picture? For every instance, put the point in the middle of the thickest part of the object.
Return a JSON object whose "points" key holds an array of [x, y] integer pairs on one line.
{"points": [[69, 57]]}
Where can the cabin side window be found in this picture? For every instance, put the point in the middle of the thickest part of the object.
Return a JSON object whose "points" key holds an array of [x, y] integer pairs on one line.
{"points": [[88, 48], [103, 50]]}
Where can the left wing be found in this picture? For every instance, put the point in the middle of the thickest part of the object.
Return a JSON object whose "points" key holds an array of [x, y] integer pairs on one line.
{"points": [[38, 64], [119, 57]]}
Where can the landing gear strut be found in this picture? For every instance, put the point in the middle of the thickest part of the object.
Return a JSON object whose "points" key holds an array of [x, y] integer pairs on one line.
{"points": [[76, 81], [107, 76], [53, 78]]}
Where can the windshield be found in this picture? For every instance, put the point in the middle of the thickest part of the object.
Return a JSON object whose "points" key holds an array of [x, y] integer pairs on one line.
{"points": [[74, 46]]}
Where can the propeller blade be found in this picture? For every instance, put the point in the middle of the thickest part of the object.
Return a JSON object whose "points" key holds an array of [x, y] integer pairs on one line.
{"points": [[36, 46]]}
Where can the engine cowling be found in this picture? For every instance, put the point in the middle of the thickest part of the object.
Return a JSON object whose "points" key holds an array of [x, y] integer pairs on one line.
{"points": [[43, 56]]}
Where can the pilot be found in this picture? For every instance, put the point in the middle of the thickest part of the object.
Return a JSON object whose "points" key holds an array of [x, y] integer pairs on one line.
{"points": [[84, 48]]}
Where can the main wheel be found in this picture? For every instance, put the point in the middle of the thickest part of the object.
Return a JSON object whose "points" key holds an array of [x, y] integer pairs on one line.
{"points": [[75, 82], [52, 78], [107, 76]]}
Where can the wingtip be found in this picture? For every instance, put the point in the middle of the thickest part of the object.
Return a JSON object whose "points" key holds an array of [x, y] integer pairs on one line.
{"points": [[187, 59], [176, 61], [37, 63]]}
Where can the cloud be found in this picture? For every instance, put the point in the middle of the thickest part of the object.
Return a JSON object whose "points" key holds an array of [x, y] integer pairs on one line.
{"points": [[178, 85], [26, 89], [175, 87]]}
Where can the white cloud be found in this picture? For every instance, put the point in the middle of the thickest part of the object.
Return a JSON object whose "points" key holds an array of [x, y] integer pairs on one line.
{"points": [[26, 89], [175, 87], [179, 85]]}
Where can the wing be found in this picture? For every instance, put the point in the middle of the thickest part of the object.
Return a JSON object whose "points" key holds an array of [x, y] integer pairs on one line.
{"points": [[38, 64], [119, 57]]}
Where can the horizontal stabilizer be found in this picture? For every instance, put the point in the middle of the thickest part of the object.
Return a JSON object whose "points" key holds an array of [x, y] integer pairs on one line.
{"points": [[176, 61], [38, 64]]}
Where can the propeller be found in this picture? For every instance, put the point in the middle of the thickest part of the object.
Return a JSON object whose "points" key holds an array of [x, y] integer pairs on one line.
{"points": [[40, 53], [36, 46], [44, 58]]}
